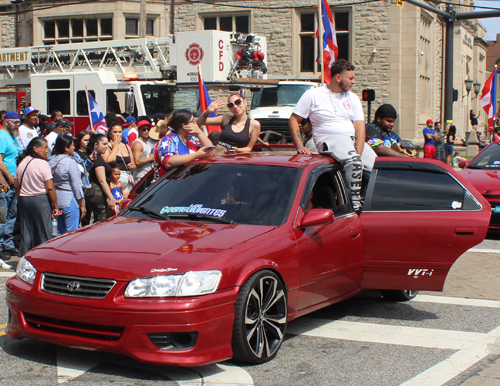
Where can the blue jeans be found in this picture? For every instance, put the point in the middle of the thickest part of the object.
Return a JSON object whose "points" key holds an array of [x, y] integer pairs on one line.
{"points": [[9, 200], [69, 220]]}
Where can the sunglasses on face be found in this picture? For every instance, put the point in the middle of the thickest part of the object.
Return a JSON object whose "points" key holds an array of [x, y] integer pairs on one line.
{"points": [[237, 102], [145, 128]]}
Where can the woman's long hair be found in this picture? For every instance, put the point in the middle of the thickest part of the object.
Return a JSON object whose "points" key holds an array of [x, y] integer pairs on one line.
{"points": [[452, 130], [63, 141], [179, 118], [30, 150], [93, 141], [79, 137]]}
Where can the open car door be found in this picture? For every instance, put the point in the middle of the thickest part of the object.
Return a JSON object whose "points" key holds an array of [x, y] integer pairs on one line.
{"points": [[419, 217]]}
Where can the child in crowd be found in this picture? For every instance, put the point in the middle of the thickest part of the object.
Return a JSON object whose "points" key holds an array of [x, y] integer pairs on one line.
{"points": [[116, 186], [457, 157]]}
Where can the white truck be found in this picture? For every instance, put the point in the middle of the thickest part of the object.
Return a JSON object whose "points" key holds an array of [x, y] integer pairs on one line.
{"points": [[159, 74], [273, 105]]}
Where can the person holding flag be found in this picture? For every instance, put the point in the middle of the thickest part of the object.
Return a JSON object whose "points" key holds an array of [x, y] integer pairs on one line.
{"points": [[489, 100], [239, 132], [205, 101]]}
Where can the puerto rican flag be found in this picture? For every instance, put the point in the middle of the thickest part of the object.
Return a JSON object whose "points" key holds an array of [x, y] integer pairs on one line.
{"points": [[489, 98], [97, 121], [205, 101], [330, 47]]}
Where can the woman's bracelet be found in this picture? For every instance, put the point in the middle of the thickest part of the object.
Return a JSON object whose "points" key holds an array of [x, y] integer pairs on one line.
{"points": [[300, 147]]}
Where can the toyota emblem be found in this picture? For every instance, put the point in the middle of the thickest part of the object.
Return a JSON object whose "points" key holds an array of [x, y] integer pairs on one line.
{"points": [[73, 286]]}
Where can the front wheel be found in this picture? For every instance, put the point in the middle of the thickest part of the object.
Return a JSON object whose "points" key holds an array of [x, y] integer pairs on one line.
{"points": [[399, 296], [260, 318]]}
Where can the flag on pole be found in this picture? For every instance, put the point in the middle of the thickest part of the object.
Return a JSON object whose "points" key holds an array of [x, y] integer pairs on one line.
{"points": [[205, 101], [489, 98], [330, 47], [97, 121]]}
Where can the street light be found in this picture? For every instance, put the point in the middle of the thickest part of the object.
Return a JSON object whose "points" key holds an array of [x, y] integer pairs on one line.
{"points": [[477, 88], [468, 85]]}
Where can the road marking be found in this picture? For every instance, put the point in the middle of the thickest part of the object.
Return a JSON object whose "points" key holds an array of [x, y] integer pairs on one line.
{"points": [[453, 366], [457, 301], [479, 250], [384, 334], [72, 363]]}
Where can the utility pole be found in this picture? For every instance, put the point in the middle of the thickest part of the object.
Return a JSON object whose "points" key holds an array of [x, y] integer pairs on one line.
{"points": [[172, 17], [450, 17]]}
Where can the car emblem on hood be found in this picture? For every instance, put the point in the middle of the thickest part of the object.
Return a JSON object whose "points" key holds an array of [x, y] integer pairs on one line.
{"points": [[73, 286]]}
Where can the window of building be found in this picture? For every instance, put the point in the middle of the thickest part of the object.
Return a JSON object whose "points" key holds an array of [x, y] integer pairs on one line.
{"points": [[226, 22], [77, 30], [309, 45], [150, 27], [132, 27]]}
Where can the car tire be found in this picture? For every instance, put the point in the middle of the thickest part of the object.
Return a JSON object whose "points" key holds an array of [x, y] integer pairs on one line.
{"points": [[260, 318], [399, 296]]}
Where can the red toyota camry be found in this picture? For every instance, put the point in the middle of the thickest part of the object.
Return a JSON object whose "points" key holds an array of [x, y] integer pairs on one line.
{"points": [[213, 260]]}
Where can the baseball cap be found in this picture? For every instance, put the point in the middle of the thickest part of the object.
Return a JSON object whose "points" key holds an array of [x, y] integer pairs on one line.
{"points": [[143, 122], [11, 115], [429, 121], [63, 122], [29, 110], [129, 121]]}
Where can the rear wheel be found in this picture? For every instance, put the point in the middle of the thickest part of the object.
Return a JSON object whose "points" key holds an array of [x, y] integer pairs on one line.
{"points": [[260, 318], [399, 296]]}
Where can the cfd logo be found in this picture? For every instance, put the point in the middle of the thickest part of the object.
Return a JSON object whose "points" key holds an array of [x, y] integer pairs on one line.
{"points": [[194, 54]]}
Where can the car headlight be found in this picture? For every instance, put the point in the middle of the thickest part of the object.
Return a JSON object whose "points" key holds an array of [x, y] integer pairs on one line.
{"points": [[25, 271], [188, 284]]}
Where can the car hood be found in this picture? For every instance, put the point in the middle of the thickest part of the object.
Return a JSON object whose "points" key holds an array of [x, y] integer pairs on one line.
{"points": [[127, 248], [483, 179]]}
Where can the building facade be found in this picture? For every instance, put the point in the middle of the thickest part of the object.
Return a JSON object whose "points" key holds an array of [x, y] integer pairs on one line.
{"points": [[398, 51]]}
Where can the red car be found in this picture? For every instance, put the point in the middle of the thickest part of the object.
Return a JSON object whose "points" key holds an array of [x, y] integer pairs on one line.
{"points": [[484, 173], [212, 261]]}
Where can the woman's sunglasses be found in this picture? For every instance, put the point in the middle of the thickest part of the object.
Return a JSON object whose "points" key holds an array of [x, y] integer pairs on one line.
{"points": [[237, 102]]}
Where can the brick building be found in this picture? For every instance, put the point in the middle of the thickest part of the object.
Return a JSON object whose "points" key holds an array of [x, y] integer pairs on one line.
{"points": [[398, 51]]}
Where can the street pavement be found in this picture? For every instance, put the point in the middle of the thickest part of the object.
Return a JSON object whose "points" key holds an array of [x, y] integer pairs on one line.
{"points": [[450, 338]]}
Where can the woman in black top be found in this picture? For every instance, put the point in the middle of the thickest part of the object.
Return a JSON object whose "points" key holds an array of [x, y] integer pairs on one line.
{"points": [[473, 119], [122, 154], [99, 177], [450, 141], [239, 133]]}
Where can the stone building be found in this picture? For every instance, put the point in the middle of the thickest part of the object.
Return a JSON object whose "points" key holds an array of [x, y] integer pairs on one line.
{"points": [[398, 51]]}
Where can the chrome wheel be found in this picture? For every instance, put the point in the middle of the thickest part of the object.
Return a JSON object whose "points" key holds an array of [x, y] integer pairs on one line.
{"points": [[260, 319]]}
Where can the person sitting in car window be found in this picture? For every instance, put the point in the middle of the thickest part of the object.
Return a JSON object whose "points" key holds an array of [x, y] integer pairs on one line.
{"points": [[183, 144]]}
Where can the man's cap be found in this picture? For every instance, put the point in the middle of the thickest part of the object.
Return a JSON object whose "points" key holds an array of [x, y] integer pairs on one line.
{"points": [[129, 121], [11, 115], [386, 111], [63, 122], [143, 123], [29, 110], [429, 121], [159, 116]]}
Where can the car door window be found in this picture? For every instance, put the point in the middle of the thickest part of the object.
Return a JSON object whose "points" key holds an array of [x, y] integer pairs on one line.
{"points": [[417, 190], [328, 193]]}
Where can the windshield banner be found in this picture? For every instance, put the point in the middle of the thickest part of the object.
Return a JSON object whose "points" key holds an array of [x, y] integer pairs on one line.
{"points": [[193, 208]]}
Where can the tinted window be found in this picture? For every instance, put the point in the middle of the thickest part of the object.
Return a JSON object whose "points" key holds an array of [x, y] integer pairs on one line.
{"points": [[92, 27], [246, 194], [58, 100], [489, 158], [412, 190], [58, 83], [81, 102]]}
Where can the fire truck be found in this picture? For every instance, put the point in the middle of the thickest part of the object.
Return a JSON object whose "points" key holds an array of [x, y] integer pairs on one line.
{"points": [[130, 77]]}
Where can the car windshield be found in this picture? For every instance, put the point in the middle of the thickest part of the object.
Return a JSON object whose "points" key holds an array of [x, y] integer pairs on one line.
{"points": [[242, 194], [282, 95], [489, 158], [165, 99]]}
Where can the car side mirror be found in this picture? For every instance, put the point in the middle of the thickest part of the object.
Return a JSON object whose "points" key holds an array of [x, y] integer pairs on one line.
{"points": [[125, 202], [462, 164], [315, 217]]}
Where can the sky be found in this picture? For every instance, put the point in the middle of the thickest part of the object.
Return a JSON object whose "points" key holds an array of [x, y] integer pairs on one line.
{"points": [[492, 25]]}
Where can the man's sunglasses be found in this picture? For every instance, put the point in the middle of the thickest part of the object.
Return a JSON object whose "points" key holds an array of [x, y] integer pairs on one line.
{"points": [[237, 102], [145, 128]]}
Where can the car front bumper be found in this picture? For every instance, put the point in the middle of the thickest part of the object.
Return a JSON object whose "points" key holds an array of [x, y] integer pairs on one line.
{"points": [[129, 330]]}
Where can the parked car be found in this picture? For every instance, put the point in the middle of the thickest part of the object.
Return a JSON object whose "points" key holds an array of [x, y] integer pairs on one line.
{"points": [[213, 260], [484, 173]]}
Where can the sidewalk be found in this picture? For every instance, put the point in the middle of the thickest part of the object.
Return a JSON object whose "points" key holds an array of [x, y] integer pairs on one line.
{"points": [[490, 376]]}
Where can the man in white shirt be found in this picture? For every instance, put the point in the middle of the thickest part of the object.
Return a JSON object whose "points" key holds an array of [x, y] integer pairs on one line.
{"points": [[338, 126], [27, 130], [61, 125]]}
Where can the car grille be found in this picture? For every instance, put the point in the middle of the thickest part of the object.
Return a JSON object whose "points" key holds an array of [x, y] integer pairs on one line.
{"points": [[280, 126], [495, 220], [66, 327], [83, 287]]}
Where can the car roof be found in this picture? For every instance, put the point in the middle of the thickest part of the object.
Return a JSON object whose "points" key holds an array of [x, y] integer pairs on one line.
{"points": [[280, 158]]}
